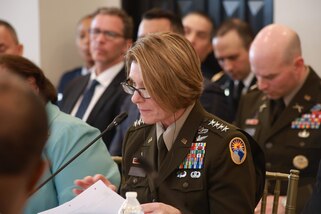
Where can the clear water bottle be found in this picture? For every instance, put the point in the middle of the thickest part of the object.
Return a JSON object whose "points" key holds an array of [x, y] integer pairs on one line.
{"points": [[131, 205]]}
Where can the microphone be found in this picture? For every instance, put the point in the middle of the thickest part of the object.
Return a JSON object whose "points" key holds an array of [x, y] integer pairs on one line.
{"points": [[117, 120]]}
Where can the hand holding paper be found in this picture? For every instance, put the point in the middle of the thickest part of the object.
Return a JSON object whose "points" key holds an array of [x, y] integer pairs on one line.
{"points": [[97, 199]]}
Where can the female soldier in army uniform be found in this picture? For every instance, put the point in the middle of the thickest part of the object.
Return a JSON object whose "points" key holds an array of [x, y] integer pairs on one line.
{"points": [[196, 163]]}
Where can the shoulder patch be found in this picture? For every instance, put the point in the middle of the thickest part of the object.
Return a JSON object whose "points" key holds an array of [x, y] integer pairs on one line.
{"points": [[238, 150]]}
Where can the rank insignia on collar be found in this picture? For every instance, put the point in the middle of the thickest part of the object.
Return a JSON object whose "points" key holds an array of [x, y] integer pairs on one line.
{"points": [[138, 122], [298, 107], [262, 107], [238, 150], [195, 158], [150, 140]]}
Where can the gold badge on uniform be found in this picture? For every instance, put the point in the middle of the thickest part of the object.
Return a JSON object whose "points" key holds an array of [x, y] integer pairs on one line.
{"points": [[300, 162], [237, 150]]}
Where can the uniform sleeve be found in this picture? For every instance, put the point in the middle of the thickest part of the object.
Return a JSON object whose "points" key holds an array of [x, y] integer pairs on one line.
{"points": [[66, 140], [232, 179]]}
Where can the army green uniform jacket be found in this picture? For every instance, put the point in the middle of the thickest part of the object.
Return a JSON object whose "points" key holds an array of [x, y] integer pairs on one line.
{"points": [[294, 141], [209, 169]]}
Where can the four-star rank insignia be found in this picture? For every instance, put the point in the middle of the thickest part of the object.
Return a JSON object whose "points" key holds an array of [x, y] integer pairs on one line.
{"points": [[138, 122], [237, 150]]}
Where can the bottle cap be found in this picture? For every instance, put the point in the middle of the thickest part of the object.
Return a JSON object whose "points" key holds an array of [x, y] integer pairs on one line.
{"points": [[131, 194]]}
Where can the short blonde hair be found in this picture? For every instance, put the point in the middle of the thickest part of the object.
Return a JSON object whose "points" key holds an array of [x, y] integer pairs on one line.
{"points": [[170, 69]]}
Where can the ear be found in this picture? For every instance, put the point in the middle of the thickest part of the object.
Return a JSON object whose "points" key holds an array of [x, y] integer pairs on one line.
{"points": [[128, 44], [36, 175], [20, 49], [299, 62], [32, 83]]}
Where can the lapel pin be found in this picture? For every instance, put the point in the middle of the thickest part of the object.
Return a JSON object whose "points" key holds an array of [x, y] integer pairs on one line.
{"points": [[150, 140], [307, 97], [184, 141], [298, 107]]}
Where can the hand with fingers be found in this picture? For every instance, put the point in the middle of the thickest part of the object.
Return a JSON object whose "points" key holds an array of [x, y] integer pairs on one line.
{"points": [[87, 181], [159, 208]]}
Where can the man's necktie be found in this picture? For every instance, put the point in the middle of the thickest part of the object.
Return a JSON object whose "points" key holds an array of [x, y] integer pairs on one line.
{"points": [[277, 107], [162, 150], [237, 93], [86, 99]]}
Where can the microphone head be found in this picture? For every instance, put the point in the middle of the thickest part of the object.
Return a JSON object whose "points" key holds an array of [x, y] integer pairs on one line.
{"points": [[119, 118]]}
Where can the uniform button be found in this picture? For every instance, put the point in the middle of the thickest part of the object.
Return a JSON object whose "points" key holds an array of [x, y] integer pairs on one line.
{"points": [[269, 145], [134, 180], [268, 165], [302, 144], [185, 185]]}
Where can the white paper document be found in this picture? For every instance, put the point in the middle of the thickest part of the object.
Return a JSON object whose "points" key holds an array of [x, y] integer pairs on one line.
{"points": [[97, 199]]}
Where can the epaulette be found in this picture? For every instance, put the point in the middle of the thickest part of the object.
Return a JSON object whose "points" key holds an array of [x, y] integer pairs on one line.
{"points": [[217, 76], [139, 123], [217, 125], [253, 87]]}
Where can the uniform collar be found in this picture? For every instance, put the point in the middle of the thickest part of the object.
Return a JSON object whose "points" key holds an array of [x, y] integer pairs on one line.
{"points": [[172, 131]]}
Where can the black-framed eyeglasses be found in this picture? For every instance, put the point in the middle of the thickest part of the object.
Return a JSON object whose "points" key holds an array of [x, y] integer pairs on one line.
{"points": [[107, 33], [130, 89]]}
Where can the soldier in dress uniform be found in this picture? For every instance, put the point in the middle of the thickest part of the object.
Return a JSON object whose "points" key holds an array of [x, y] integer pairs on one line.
{"points": [[284, 112], [178, 157]]}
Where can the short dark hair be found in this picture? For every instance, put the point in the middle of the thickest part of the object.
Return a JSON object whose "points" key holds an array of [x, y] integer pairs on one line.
{"points": [[128, 30], [242, 28], [205, 16], [158, 13], [23, 126], [25, 68], [10, 28]]}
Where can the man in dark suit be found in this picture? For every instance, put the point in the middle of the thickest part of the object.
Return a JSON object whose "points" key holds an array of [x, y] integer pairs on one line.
{"points": [[283, 113], [96, 98], [231, 45], [82, 42]]}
